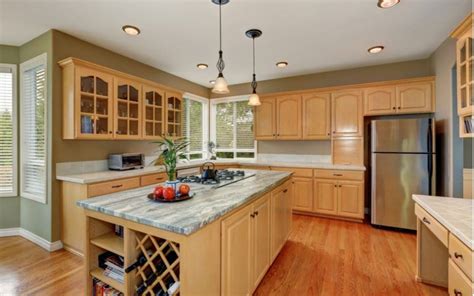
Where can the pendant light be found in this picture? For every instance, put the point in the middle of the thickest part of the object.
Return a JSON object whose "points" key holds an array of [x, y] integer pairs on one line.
{"points": [[220, 86], [254, 100]]}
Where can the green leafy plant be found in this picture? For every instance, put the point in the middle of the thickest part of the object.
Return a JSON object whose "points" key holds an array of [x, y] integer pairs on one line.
{"points": [[171, 150]]}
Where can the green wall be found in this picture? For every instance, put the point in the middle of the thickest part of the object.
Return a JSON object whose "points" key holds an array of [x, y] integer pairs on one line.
{"points": [[9, 206]]}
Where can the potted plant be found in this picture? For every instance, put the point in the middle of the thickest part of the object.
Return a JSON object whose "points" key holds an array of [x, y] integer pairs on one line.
{"points": [[171, 150]]}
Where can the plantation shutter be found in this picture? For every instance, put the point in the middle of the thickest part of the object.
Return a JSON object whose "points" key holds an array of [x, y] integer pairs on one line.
{"points": [[7, 136], [33, 133]]}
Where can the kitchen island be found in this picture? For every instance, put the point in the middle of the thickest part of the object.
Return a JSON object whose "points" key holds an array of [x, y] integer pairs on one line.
{"points": [[220, 242]]}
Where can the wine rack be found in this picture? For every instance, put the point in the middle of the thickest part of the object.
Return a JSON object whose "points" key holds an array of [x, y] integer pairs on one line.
{"points": [[161, 269]]}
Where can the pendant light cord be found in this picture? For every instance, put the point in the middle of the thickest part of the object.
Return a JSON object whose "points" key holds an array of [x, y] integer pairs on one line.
{"points": [[220, 27], [253, 55]]}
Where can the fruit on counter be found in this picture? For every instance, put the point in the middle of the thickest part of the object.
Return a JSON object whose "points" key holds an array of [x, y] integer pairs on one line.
{"points": [[158, 191], [184, 189], [169, 193]]}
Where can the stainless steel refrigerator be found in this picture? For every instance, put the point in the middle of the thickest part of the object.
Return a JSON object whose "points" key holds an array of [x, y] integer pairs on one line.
{"points": [[402, 164]]}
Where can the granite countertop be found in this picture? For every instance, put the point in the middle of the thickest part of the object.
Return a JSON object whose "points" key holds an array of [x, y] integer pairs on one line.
{"points": [[187, 216], [453, 213], [102, 176]]}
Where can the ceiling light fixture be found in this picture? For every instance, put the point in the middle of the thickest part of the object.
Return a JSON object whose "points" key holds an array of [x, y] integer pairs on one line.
{"points": [[212, 81], [202, 66], [282, 64], [387, 3], [220, 87], [131, 30], [254, 100], [376, 49]]}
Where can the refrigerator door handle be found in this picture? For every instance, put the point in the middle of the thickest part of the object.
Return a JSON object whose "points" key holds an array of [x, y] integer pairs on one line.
{"points": [[430, 157]]}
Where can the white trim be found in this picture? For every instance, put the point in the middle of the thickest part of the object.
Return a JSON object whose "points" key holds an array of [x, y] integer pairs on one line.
{"points": [[205, 123], [48, 246], [39, 60], [230, 99], [13, 69]]}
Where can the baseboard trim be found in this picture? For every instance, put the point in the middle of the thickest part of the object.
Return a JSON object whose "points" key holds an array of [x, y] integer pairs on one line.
{"points": [[48, 246]]}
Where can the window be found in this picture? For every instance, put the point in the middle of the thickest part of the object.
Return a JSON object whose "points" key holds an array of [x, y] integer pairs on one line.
{"points": [[8, 163], [33, 127], [195, 125], [232, 128]]}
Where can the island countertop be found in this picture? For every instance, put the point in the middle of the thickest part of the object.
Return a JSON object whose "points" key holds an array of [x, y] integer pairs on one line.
{"points": [[453, 213], [185, 217]]}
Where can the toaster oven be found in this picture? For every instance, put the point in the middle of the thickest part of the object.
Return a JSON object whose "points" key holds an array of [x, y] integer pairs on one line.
{"points": [[126, 161]]}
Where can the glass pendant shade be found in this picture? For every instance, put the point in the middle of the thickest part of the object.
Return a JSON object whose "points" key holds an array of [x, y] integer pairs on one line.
{"points": [[254, 100], [220, 87]]}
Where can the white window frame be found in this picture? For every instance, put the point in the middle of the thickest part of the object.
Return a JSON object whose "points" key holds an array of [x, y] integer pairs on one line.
{"points": [[205, 124], [39, 60], [13, 69], [213, 133]]}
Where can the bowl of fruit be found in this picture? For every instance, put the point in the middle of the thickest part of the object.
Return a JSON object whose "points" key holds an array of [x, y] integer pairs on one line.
{"points": [[169, 194]]}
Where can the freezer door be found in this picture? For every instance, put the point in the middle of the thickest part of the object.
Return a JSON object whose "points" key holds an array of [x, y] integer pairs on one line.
{"points": [[395, 177], [402, 135]]}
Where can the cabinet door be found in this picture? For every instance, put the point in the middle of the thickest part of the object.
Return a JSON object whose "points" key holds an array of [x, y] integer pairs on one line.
{"points": [[265, 121], [350, 199], [379, 100], [153, 112], [261, 260], [174, 108], [302, 194], [347, 118], [348, 151], [277, 222], [465, 80], [288, 118], [316, 116], [287, 211], [94, 104], [237, 240], [127, 109], [325, 199], [415, 98]]}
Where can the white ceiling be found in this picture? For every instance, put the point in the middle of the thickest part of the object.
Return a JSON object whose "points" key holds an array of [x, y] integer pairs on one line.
{"points": [[312, 35]]}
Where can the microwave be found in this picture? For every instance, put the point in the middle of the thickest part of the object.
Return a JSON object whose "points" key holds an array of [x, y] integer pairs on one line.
{"points": [[126, 161]]}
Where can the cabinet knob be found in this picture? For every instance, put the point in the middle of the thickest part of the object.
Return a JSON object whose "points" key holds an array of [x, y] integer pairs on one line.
{"points": [[457, 255], [426, 220], [457, 293], [399, 107], [335, 185], [252, 215], [110, 132], [329, 134], [394, 108]]}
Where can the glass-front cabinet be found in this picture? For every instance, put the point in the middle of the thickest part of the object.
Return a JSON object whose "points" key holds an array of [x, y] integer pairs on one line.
{"points": [[153, 110], [127, 109], [174, 107], [94, 97]]}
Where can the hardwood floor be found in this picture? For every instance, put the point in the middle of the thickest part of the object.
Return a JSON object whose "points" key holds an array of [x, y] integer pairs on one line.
{"points": [[322, 257]]}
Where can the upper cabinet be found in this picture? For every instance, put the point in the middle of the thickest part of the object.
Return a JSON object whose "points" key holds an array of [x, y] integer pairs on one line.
{"points": [[380, 100], [316, 116], [265, 122], [347, 118], [101, 103], [465, 89]]}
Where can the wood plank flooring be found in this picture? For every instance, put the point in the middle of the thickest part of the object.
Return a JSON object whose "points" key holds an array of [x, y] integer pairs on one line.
{"points": [[322, 257]]}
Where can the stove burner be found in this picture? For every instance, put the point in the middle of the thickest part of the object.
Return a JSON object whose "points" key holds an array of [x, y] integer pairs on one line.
{"points": [[224, 175]]}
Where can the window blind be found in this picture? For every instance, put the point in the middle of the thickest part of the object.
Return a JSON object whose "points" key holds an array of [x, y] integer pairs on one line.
{"points": [[33, 133], [7, 133], [193, 127]]}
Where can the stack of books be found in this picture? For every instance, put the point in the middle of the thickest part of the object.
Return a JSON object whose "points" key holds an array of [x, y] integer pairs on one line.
{"points": [[112, 265], [102, 289], [468, 124]]}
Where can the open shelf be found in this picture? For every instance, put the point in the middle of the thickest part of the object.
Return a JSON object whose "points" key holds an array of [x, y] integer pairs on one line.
{"points": [[110, 242], [98, 273]]}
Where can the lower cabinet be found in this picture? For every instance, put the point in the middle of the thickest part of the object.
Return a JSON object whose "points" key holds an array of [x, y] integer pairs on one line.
{"points": [[325, 201], [251, 240], [302, 194]]}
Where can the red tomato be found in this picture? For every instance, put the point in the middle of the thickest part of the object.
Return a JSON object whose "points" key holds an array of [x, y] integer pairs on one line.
{"points": [[158, 192], [184, 189], [169, 193]]}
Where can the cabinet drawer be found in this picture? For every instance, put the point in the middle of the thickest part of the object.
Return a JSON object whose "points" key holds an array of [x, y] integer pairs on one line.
{"points": [[297, 172], [152, 179], [433, 225], [458, 283], [112, 186], [461, 255], [339, 174]]}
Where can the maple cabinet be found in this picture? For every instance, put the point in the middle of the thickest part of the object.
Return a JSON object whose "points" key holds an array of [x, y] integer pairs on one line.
{"points": [[280, 218], [347, 114], [265, 119], [380, 100], [325, 201], [415, 97], [104, 104], [302, 194], [316, 116], [279, 118], [348, 151], [261, 246]]}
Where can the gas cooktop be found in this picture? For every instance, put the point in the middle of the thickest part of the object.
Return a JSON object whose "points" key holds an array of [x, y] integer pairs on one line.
{"points": [[223, 178]]}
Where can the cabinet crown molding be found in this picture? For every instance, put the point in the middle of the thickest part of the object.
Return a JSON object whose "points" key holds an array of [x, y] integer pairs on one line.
{"points": [[463, 26]]}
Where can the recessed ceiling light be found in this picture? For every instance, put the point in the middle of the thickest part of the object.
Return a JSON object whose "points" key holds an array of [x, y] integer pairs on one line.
{"points": [[202, 66], [376, 49], [387, 3], [131, 30], [212, 81], [282, 64]]}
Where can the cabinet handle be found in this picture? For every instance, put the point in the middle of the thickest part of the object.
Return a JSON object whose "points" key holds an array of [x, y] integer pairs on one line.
{"points": [[255, 213], [337, 175], [399, 107], [110, 132], [159, 178], [335, 185], [394, 108], [252, 215], [457, 293], [285, 191], [426, 220], [117, 186], [457, 255], [333, 132], [329, 134]]}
